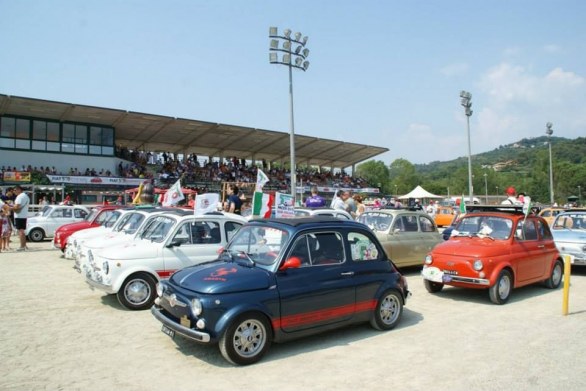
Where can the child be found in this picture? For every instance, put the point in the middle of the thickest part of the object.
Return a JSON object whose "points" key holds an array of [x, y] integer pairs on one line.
{"points": [[5, 230]]}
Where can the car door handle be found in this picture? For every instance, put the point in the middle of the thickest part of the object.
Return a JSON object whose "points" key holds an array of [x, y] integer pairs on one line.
{"points": [[347, 274]]}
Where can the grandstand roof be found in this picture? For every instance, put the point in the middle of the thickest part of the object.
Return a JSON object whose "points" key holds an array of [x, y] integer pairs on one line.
{"points": [[153, 132]]}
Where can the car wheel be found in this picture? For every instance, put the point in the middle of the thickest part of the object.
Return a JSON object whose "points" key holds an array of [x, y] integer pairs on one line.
{"points": [[246, 340], [499, 293], [554, 281], [138, 292], [432, 286], [388, 311], [36, 235]]}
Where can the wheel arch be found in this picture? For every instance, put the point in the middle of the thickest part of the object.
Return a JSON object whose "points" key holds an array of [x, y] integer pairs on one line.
{"points": [[119, 280], [227, 318]]}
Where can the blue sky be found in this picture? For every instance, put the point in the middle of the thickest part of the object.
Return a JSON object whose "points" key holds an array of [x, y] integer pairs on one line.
{"points": [[384, 73]]}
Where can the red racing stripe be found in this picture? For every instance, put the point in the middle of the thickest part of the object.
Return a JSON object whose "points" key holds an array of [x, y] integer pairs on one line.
{"points": [[323, 315]]}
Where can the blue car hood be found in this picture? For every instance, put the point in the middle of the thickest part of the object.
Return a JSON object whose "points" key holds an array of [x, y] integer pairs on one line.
{"points": [[222, 277]]}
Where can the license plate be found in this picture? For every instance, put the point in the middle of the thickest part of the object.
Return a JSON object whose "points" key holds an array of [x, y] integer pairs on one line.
{"points": [[168, 331]]}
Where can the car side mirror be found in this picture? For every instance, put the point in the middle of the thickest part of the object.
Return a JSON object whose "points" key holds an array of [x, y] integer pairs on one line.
{"points": [[174, 243], [291, 263]]}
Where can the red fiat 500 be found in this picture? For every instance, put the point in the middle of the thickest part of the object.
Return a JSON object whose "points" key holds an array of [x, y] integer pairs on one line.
{"points": [[498, 249]]}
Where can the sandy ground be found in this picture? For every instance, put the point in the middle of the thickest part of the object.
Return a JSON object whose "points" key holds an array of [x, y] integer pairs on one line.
{"points": [[57, 334]]}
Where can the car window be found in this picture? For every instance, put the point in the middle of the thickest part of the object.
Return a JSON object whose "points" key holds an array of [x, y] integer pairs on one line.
{"points": [[231, 228], [526, 230], [543, 230], [80, 213], [122, 222], [343, 216], [61, 213], [379, 222], [112, 219], [361, 247], [159, 229], [132, 223], [326, 248], [102, 217], [563, 221], [406, 224], [425, 224], [260, 244], [546, 213]]}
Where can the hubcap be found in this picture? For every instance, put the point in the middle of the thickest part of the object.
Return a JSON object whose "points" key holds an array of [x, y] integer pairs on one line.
{"points": [[389, 309], [557, 274], [504, 287], [249, 338], [137, 292]]}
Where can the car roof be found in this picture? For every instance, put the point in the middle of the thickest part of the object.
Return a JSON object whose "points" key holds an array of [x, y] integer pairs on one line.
{"points": [[302, 221], [395, 210], [508, 209]]}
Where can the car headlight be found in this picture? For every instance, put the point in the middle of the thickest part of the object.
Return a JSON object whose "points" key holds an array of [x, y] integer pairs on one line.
{"points": [[160, 289], [106, 267], [428, 259], [478, 265], [196, 307]]}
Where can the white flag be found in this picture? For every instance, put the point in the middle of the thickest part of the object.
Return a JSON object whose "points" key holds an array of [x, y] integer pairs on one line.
{"points": [[173, 195], [261, 179], [205, 203]]}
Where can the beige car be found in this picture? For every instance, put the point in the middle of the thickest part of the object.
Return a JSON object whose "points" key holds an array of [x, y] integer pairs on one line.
{"points": [[407, 235]]}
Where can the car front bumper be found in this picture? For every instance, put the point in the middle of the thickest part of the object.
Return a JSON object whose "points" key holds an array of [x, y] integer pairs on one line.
{"points": [[434, 274], [195, 335], [98, 285]]}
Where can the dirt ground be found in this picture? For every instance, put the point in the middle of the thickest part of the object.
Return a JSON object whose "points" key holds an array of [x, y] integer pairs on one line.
{"points": [[57, 334]]}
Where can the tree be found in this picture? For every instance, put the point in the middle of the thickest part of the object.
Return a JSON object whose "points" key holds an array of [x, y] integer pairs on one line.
{"points": [[403, 175], [376, 173]]}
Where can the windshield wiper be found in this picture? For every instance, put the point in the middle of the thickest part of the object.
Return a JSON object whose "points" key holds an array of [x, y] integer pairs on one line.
{"points": [[244, 256]]}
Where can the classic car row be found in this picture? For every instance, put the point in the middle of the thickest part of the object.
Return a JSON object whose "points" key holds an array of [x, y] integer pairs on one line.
{"points": [[218, 278]]}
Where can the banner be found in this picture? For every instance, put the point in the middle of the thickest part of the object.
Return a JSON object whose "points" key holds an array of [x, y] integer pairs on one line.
{"points": [[94, 180], [262, 204], [173, 195], [284, 205], [206, 203], [17, 176]]}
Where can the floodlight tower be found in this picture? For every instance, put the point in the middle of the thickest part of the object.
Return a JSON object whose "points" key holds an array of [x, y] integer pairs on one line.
{"points": [[466, 102]]}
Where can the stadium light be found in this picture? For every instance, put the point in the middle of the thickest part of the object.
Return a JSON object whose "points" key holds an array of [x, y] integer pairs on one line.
{"points": [[465, 101], [549, 132], [293, 55]]}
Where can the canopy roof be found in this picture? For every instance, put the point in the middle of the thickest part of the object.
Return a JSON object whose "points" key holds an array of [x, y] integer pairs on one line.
{"points": [[157, 133], [419, 192]]}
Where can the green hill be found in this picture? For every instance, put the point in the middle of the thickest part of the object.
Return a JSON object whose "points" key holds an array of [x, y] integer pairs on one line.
{"points": [[524, 165]]}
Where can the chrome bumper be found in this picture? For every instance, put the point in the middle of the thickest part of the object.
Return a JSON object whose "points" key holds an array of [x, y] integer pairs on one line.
{"points": [[185, 331], [97, 285]]}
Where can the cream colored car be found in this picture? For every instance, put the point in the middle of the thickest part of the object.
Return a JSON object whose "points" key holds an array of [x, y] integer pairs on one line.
{"points": [[406, 235]]}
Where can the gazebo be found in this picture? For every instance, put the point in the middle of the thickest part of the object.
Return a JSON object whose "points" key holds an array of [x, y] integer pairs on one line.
{"points": [[418, 192]]}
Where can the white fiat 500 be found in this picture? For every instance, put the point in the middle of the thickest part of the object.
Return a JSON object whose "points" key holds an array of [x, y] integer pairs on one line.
{"points": [[44, 223], [125, 228], [171, 241]]}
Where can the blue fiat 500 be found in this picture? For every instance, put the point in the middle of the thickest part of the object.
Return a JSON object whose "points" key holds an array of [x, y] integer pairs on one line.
{"points": [[280, 279]]}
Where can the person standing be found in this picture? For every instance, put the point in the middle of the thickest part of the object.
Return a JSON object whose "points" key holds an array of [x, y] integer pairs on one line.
{"points": [[360, 208], [350, 204], [20, 210], [234, 202], [337, 201], [5, 227], [315, 200]]}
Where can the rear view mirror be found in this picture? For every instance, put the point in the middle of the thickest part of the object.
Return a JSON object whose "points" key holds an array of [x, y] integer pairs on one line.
{"points": [[291, 263]]}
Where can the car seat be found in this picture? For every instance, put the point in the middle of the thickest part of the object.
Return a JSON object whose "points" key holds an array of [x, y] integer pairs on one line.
{"points": [[215, 235], [329, 250]]}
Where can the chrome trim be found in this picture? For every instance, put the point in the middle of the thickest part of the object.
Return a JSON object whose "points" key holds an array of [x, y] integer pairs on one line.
{"points": [[469, 280], [186, 332], [94, 284]]}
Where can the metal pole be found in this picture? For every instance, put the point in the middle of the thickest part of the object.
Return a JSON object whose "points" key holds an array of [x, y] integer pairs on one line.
{"points": [[485, 189], [550, 175], [292, 138], [471, 200]]}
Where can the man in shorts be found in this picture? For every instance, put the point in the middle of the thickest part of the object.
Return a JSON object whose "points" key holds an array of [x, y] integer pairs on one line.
{"points": [[20, 209]]}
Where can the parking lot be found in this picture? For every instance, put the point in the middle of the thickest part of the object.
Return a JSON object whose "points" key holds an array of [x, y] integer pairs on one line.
{"points": [[57, 334]]}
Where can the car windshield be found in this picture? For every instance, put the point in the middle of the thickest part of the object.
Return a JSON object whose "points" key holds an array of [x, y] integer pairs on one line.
{"points": [[114, 216], [90, 217], [570, 221], [158, 229], [261, 245], [484, 226], [46, 211], [378, 222]]}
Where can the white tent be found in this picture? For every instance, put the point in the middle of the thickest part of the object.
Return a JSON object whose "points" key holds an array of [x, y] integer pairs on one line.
{"points": [[418, 192]]}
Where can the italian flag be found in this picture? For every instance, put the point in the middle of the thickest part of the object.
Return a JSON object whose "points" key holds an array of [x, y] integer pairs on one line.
{"points": [[262, 204]]}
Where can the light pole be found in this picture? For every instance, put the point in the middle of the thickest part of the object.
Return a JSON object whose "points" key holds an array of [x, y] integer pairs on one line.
{"points": [[396, 194], [485, 188], [579, 195], [465, 101], [497, 194], [549, 132], [292, 57]]}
